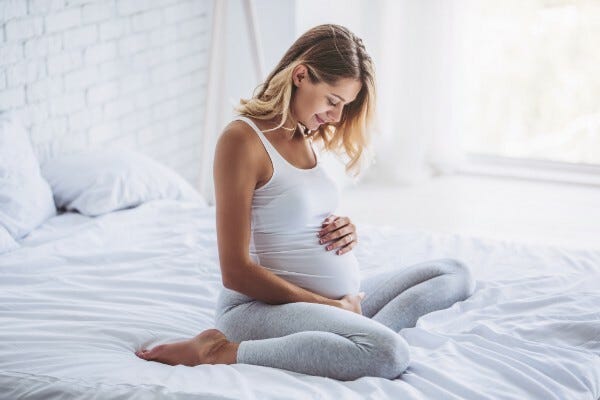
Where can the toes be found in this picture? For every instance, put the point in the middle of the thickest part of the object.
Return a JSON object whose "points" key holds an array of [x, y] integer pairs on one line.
{"points": [[146, 354], [141, 353]]}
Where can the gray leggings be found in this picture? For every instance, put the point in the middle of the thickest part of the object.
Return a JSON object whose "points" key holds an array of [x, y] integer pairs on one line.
{"points": [[318, 339]]}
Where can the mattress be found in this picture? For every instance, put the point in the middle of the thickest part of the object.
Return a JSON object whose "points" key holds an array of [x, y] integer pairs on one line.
{"points": [[82, 294]]}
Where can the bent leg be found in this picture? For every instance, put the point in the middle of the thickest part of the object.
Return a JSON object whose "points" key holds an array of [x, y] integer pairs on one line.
{"points": [[397, 299], [314, 339]]}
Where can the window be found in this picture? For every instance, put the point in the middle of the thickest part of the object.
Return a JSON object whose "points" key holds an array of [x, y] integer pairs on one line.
{"points": [[531, 82]]}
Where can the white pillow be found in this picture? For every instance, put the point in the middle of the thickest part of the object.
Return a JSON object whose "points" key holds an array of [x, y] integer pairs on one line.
{"points": [[101, 181], [25, 197], [7, 243]]}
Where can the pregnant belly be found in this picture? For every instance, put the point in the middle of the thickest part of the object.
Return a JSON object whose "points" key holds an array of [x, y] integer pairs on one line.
{"points": [[301, 260]]}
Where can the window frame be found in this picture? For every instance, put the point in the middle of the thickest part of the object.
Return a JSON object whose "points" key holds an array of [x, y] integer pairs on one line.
{"points": [[530, 169]]}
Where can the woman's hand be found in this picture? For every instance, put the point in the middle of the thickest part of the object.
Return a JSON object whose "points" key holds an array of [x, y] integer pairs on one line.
{"points": [[351, 302], [340, 231]]}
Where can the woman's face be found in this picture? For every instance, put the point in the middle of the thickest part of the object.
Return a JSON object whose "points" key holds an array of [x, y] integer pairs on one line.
{"points": [[316, 104]]}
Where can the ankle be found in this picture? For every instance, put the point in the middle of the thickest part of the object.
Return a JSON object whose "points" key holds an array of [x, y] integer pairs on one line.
{"points": [[226, 353]]}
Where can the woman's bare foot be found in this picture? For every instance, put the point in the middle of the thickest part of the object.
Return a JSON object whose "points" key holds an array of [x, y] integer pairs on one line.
{"points": [[209, 347]]}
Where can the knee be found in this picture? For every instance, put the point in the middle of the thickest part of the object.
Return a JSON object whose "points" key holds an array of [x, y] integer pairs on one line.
{"points": [[463, 271], [391, 357]]}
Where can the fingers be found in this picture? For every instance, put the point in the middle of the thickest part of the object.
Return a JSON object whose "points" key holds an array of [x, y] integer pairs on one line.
{"points": [[345, 240], [346, 248], [332, 222], [359, 308], [341, 231], [328, 220], [341, 237], [339, 227], [345, 244]]}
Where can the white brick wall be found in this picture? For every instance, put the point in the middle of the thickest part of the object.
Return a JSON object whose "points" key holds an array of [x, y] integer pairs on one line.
{"points": [[97, 73]]}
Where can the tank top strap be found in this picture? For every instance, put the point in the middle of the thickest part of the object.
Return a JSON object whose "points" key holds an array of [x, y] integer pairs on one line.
{"points": [[273, 153]]}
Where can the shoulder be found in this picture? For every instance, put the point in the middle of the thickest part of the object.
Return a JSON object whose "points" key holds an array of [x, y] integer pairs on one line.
{"points": [[237, 130], [239, 147], [238, 135]]}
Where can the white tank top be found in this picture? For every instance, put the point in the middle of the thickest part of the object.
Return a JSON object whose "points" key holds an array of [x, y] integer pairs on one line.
{"points": [[287, 213]]}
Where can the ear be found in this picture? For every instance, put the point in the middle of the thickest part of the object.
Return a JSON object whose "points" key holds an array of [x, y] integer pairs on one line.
{"points": [[299, 75]]}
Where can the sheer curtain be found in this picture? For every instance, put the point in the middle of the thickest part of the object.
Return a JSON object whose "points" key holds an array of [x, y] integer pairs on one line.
{"points": [[413, 45], [416, 45]]}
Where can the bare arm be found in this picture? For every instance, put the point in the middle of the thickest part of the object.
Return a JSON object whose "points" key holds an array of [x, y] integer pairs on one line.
{"points": [[236, 172], [263, 285]]}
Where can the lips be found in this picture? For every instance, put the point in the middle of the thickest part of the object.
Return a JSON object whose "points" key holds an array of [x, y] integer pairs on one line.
{"points": [[319, 120]]}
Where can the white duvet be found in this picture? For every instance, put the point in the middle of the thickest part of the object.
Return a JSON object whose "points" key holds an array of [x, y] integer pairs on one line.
{"points": [[82, 294]]}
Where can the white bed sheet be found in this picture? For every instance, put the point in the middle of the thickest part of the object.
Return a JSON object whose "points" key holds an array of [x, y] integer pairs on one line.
{"points": [[81, 294]]}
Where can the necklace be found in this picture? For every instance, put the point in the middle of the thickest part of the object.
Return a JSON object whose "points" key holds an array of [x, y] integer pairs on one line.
{"points": [[304, 131]]}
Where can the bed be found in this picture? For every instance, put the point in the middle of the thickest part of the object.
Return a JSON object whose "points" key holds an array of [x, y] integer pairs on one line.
{"points": [[81, 294], [106, 252]]}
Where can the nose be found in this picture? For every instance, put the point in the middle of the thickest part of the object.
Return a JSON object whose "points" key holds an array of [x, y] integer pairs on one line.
{"points": [[335, 114]]}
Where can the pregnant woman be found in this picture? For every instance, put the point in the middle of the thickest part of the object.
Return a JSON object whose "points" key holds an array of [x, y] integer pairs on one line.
{"points": [[293, 297]]}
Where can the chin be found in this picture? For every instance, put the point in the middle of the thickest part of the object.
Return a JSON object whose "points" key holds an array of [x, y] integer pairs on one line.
{"points": [[307, 126], [312, 125], [316, 123]]}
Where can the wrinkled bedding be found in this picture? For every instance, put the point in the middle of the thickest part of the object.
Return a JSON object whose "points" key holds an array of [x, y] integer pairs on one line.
{"points": [[81, 294]]}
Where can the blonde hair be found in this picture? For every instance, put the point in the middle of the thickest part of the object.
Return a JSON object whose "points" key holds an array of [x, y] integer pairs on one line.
{"points": [[329, 52]]}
